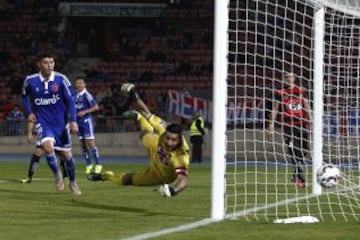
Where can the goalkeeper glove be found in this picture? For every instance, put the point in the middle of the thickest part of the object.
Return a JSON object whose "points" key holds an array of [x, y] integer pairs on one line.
{"points": [[167, 191]]}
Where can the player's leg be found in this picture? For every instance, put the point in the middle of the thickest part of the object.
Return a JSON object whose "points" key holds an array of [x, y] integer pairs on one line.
{"points": [[48, 146], [147, 177], [196, 149], [63, 145], [90, 143], [85, 152], [34, 163], [89, 135], [292, 142], [70, 166], [62, 166], [144, 177]]}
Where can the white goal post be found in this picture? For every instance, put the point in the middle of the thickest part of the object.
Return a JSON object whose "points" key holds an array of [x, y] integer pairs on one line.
{"points": [[257, 43]]}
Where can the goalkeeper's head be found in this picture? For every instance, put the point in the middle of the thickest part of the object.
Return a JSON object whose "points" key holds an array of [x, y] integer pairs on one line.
{"points": [[173, 137]]}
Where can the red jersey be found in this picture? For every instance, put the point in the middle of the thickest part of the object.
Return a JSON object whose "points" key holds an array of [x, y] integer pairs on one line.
{"points": [[292, 111]]}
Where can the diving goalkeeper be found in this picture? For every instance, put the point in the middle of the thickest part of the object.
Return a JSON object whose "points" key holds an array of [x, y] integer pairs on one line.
{"points": [[167, 149]]}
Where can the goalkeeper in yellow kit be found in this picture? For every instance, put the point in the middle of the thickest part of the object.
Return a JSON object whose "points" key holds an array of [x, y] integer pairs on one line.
{"points": [[167, 149]]}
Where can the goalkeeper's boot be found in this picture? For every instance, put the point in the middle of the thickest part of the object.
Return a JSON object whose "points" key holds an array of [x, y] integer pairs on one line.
{"points": [[97, 169], [130, 115], [94, 177], [129, 88], [25, 180], [74, 188], [59, 182], [106, 176], [89, 169]]}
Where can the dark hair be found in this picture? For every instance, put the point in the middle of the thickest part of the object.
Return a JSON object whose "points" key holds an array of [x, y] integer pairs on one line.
{"points": [[174, 128], [80, 77], [45, 55]]}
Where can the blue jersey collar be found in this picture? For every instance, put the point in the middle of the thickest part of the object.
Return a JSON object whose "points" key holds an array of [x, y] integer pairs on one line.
{"points": [[51, 78]]}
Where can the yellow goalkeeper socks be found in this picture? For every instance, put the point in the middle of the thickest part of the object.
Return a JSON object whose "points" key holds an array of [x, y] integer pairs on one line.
{"points": [[117, 178], [112, 177]]}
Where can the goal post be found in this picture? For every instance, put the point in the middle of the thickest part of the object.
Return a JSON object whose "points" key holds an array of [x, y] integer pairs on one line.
{"points": [[219, 110], [258, 42], [318, 106]]}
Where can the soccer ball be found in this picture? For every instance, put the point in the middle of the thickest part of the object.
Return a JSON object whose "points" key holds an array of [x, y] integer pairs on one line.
{"points": [[328, 176]]}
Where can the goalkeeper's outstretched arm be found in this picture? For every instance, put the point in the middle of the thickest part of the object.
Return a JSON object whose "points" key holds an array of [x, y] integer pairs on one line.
{"points": [[157, 123], [180, 184]]}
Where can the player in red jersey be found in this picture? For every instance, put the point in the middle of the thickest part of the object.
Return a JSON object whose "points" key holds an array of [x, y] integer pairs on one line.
{"points": [[295, 115]]}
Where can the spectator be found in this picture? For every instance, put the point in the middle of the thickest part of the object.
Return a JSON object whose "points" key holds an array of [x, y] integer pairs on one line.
{"points": [[14, 120], [197, 132]]}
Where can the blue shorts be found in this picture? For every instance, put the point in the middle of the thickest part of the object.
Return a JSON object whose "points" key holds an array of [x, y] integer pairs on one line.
{"points": [[86, 129], [60, 137]]}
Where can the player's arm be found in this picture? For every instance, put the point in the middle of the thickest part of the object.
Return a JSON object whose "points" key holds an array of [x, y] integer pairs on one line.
{"points": [[26, 102], [30, 128], [143, 108], [93, 109], [307, 109], [199, 127], [158, 125], [181, 182], [70, 104], [156, 122], [273, 115]]}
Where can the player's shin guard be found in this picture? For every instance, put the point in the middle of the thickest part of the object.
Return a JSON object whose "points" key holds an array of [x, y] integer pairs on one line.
{"points": [[52, 162], [70, 166]]}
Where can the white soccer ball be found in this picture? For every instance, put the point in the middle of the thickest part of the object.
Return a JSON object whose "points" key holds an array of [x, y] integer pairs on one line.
{"points": [[328, 176]]}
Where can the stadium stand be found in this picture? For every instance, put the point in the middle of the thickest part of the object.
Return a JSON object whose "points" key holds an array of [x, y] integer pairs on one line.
{"points": [[173, 51], [169, 52]]}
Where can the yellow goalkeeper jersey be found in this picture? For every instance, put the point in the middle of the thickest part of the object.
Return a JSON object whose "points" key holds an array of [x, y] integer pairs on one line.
{"points": [[166, 164]]}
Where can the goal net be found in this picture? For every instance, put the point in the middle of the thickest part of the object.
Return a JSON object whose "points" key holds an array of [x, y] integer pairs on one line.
{"points": [[318, 43]]}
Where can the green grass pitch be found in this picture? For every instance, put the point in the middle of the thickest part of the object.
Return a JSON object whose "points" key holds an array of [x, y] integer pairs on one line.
{"points": [[105, 211]]}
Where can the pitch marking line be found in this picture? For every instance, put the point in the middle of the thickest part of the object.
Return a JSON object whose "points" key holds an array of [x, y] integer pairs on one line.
{"points": [[34, 180], [208, 221]]}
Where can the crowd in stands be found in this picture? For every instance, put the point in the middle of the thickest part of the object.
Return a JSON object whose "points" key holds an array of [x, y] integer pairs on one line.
{"points": [[173, 51], [26, 27], [166, 53]]}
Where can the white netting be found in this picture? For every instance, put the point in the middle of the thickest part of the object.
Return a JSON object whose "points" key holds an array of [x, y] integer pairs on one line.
{"points": [[268, 38]]}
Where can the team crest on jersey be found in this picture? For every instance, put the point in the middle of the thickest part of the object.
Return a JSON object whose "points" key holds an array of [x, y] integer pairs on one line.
{"points": [[55, 88], [294, 105], [79, 98], [162, 153]]}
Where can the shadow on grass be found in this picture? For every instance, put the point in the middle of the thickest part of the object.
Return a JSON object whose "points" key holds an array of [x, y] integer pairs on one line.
{"points": [[145, 212], [33, 193]]}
